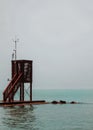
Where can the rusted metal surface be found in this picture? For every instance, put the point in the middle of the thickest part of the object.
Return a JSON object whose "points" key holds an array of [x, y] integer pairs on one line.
{"points": [[21, 74], [23, 103]]}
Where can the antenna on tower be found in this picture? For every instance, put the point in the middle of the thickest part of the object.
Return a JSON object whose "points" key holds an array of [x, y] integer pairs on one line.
{"points": [[14, 55]]}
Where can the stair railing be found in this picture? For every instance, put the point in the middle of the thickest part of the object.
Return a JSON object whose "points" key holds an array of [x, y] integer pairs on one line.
{"points": [[15, 85], [7, 89]]}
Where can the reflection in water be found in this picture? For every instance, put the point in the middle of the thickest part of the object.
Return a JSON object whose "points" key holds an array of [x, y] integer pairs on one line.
{"points": [[20, 117]]}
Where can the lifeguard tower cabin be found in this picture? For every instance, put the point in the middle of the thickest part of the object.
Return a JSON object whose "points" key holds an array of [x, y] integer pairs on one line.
{"points": [[21, 74]]}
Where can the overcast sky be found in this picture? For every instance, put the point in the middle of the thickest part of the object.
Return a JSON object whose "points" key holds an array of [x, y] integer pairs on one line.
{"points": [[56, 34]]}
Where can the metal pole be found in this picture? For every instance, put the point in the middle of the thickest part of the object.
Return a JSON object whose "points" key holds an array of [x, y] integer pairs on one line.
{"points": [[15, 50]]}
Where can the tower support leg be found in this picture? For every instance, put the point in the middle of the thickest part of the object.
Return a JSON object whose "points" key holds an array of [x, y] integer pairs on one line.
{"points": [[22, 92], [30, 91]]}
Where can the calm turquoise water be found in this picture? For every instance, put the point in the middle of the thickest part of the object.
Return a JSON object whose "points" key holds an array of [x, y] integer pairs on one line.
{"points": [[49, 116]]}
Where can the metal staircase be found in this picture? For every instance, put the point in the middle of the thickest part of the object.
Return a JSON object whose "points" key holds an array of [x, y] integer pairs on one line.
{"points": [[11, 89]]}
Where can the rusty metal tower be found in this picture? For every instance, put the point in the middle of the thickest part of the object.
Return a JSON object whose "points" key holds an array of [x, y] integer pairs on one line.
{"points": [[21, 74]]}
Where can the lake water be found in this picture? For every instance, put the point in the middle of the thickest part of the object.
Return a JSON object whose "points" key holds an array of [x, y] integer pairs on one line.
{"points": [[50, 116]]}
